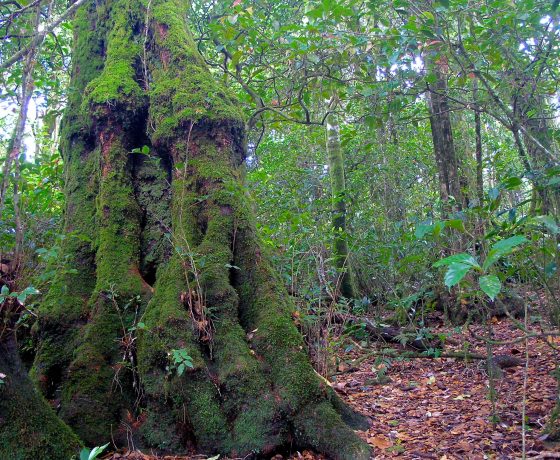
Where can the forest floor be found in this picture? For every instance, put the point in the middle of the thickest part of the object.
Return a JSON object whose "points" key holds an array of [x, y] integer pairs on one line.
{"points": [[439, 408]]}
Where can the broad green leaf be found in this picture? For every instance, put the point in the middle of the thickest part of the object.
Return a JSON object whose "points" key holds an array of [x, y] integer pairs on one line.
{"points": [[462, 258], [438, 227], [506, 246], [511, 183], [493, 193], [490, 285], [455, 273], [549, 223], [502, 248], [422, 230]]}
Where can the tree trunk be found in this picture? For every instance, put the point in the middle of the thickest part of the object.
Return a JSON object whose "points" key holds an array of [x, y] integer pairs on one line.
{"points": [[169, 316], [478, 148], [442, 135], [29, 428], [338, 191], [534, 118]]}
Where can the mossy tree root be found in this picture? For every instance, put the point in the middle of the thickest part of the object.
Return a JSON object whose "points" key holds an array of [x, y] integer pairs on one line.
{"points": [[29, 428]]}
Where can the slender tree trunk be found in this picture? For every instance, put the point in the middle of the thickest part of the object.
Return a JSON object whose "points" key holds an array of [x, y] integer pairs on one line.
{"points": [[16, 142], [338, 190], [533, 118], [478, 148], [442, 135], [171, 314]]}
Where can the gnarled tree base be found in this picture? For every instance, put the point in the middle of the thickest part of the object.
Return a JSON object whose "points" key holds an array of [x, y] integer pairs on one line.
{"points": [[175, 333]]}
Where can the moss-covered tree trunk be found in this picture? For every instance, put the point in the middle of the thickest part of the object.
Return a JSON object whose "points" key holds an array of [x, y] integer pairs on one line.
{"points": [[29, 428], [168, 326], [338, 193]]}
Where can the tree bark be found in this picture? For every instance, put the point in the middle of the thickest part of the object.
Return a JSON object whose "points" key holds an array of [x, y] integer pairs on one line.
{"points": [[478, 147], [533, 118], [165, 259], [442, 135], [338, 193]]}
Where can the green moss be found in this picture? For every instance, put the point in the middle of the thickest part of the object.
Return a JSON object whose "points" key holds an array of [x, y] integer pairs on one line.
{"points": [[191, 395], [153, 194], [90, 30], [64, 308], [29, 428], [183, 90], [117, 82], [321, 428], [309, 405], [277, 339]]}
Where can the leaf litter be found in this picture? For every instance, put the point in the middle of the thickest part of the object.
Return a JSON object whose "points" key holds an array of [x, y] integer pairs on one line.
{"points": [[439, 408]]}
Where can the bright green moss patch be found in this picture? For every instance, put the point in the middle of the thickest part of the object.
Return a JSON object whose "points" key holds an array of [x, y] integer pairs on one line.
{"points": [[117, 82], [183, 91]]}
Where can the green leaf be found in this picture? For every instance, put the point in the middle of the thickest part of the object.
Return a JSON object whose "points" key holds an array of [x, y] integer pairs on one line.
{"points": [[428, 15], [503, 248], [456, 224], [30, 290], [490, 285], [511, 183], [84, 453], [422, 230], [455, 273], [96, 451], [462, 258], [548, 222], [493, 193], [438, 227], [507, 245]]}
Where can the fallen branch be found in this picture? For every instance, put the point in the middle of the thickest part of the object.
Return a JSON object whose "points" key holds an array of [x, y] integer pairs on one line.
{"points": [[543, 455], [389, 333], [500, 361]]}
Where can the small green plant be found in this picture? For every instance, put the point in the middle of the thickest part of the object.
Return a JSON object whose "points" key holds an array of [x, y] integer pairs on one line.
{"points": [[180, 361], [92, 454], [458, 265], [20, 296], [144, 150]]}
